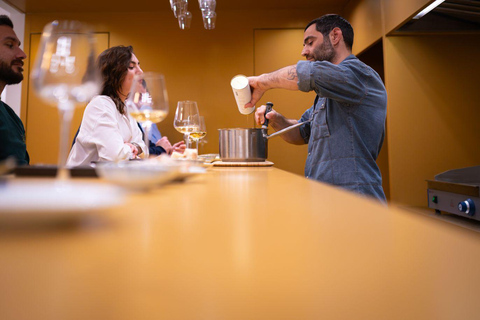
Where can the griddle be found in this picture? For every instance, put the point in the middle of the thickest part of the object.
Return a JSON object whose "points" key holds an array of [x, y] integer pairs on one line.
{"points": [[457, 192]]}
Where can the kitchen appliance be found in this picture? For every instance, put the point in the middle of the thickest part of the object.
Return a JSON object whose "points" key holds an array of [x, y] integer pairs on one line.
{"points": [[456, 191]]}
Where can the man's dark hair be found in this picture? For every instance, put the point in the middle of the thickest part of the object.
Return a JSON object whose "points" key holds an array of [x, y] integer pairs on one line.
{"points": [[5, 21], [325, 24], [113, 64]]}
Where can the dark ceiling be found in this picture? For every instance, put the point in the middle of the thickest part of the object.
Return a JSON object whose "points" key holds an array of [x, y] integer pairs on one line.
{"points": [[450, 16]]}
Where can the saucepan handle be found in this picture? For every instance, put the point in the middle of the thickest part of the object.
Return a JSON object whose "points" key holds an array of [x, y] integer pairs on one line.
{"points": [[267, 110], [287, 129]]}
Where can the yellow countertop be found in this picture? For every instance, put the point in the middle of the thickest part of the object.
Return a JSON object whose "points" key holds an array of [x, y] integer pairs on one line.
{"points": [[243, 243]]}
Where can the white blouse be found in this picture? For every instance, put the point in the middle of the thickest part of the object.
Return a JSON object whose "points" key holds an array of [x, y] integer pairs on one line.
{"points": [[103, 134]]}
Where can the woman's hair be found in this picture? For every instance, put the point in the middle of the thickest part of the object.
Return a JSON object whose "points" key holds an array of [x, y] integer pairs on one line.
{"points": [[113, 64]]}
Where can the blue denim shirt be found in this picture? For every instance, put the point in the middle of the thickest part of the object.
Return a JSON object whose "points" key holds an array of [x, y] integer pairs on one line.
{"points": [[348, 125]]}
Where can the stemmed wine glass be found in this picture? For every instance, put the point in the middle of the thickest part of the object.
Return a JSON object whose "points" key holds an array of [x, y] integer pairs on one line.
{"points": [[200, 133], [147, 102], [186, 118], [65, 74]]}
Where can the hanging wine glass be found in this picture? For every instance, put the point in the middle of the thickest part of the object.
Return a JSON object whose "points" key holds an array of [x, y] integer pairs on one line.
{"points": [[65, 75]]}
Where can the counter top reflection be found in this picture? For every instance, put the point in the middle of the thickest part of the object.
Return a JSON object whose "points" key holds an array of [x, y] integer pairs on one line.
{"points": [[243, 243]]}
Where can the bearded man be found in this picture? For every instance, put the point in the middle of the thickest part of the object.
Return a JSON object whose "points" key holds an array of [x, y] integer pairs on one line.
{"points": [[12, 132], [347, 120]]}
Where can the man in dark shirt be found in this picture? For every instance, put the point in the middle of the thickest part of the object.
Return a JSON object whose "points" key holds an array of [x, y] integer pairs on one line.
{"points": [[12, 132]]}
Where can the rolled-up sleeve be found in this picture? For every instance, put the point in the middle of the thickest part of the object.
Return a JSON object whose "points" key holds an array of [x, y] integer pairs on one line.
{"points": [[331, 81], [306, 81]]}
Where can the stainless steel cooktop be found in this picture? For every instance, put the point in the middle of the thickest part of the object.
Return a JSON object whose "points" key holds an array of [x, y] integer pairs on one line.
{"points": [[456, 191]]}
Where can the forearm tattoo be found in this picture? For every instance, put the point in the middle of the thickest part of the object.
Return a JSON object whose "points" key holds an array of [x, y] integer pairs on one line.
{"points": [[276, 78], [292, 73], [272, 78]]}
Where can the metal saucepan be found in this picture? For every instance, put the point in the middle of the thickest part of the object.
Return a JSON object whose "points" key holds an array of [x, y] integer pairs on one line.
{"points": [[248, 145]]}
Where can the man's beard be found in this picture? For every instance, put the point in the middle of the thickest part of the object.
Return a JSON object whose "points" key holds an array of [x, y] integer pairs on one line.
{"points": [[325, 51], [8, 75]]}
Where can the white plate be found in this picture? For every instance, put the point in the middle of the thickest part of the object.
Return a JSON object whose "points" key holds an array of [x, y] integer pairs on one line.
{"points": [[40, 201], [138, 175]]}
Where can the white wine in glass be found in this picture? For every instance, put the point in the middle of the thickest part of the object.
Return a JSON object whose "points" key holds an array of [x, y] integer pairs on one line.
{"points": [[186, 119], [200, 133], [197, 135], [65, 75], [147, 101]]}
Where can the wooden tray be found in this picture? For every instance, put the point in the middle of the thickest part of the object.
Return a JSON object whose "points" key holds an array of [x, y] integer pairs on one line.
{"points": [[243, 164]]}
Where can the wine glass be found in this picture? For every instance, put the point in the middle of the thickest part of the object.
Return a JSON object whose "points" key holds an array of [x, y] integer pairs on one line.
{"points": [[186, 118], [147, 102], [65, 74], [201, 131]]}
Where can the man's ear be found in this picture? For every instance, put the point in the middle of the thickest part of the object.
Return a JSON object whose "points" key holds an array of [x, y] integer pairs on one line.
{"points": [[335, 36]]}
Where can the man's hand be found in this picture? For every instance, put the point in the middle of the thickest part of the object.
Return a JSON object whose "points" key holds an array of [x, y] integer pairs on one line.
{"points": [[278, 122], [165, 144], [260, 115], [179, 147], [257, 91]]}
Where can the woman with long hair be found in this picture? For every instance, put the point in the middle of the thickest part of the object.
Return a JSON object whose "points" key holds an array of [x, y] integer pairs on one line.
{"points": [[108, 132]]}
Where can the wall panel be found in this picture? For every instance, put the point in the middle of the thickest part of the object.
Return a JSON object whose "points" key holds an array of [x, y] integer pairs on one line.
{"points": [[366, 20], [399, 11], [433, 108]]}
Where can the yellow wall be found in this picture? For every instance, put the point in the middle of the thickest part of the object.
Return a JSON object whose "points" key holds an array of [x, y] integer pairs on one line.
{"points": [[366, 19], [198, 64], [433, 110], [396, 12]]}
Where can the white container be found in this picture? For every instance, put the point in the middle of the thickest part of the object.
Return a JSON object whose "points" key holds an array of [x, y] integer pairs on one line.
{"points": [[242, 93]]}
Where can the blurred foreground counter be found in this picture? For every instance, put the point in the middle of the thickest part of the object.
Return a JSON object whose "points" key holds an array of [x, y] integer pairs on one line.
{"points": [[242, 243]]}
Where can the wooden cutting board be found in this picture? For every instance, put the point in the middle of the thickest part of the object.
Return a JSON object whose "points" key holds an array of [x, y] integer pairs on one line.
{"points": [[243, 164]]}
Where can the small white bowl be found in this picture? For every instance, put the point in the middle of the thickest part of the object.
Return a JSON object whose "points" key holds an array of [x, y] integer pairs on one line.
{"points": [[209, 157]]}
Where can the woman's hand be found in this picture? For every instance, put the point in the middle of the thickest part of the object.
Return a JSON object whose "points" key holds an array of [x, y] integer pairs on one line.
{"points": [[133, 149]]}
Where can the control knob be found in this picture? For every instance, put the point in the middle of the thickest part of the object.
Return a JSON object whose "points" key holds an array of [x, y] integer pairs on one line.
{"points": [[467, 206]]}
